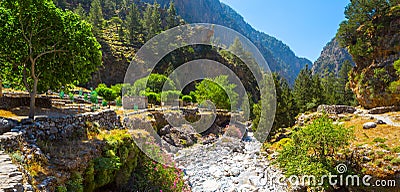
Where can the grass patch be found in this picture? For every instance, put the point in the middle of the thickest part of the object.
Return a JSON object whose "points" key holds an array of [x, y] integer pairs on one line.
{"points": [[379, 140]]}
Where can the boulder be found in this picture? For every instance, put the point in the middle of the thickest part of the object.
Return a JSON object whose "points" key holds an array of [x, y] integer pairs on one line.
{"points": [[369, 125], [5, 125], [380, 122]]}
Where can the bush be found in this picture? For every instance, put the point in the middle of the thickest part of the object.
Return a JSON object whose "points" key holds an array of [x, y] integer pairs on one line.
{"points": [[71, 96], [153, 98], [395, 161], [312, 149], [93, 97], [85, 97], [62, 94], [187, 98], [396, 149], [118, 102], [169, 96], [104, 103], [109, 94]]}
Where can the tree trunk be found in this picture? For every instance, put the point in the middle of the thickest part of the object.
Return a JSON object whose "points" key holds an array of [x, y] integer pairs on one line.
{"points": [[33, 99], [1, 88]]}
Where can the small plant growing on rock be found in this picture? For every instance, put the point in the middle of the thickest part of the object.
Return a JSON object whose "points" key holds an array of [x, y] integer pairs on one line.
{"points": [[104, 103], [118, 102], [62, 94], [85, 97], [71, 97]]}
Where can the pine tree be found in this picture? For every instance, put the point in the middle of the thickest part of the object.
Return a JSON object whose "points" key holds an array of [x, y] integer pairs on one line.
{"points": [[301, 90], [348, 97], [152, 20], [286, 110], [133, 23], [81, 12], [96, 16], [307, 91], [172, 16]]}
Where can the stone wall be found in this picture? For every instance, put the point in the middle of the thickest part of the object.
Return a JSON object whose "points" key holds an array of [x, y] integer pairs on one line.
{"points": [[336, 109], [7, 102], [48, 128], [132, 101]]}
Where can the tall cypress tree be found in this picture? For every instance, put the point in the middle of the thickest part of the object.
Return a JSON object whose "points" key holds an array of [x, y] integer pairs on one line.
{"points": [[172, 16], [133, 23], [96, 16], [152, 20]]}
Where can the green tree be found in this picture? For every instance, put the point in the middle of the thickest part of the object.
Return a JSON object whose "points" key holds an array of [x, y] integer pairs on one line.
{"points": [[96, 16], [81, 12], [172, 17], [152, 20], [133, 23], [118, 25], [347, 96], [155, 83], [312, 150], [47, 47], [219, 91]]}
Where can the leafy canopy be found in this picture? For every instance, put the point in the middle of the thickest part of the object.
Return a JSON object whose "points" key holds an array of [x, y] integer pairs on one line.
{"points": [[217, 90]]}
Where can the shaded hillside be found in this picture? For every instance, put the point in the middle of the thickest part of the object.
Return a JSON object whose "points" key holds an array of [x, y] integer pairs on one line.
{"points": [[278, 55], [331, 59]]}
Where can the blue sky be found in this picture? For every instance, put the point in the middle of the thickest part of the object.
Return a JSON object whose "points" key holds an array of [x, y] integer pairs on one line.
{"points": [[306, 26]]}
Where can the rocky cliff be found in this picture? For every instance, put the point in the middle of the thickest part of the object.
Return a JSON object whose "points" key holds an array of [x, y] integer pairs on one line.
{"points": [[331, 59]]}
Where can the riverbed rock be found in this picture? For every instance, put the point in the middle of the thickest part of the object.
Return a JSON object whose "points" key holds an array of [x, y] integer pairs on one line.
{"points": [[369, 125], [5, 125]]}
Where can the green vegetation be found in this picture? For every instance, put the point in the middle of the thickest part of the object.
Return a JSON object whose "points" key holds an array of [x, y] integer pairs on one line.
{"points": [[307, 90], [33, 56], [368, 33], [312, 149], [219, 91]]}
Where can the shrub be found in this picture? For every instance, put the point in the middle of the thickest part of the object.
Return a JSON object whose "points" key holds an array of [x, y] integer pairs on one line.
{"points": [[118, 102], [104, 103], [312, 149], [71, 96], [75, 183], [379, 140], [383, 146], [187, 98], [85, 97], [152, 97], [109, 94], [62, 94], [396, 149], [395, 161], [388, 158], [93, 97]]}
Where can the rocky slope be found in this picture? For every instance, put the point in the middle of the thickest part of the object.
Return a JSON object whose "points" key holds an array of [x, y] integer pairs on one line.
{"points": [[331, 59], [279, 56]]}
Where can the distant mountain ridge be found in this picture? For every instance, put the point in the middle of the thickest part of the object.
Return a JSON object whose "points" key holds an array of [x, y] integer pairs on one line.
{"points": [[279, 56], [331, 59]]}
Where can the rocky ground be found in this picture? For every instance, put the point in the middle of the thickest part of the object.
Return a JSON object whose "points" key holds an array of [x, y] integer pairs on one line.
{"points": [[229, 165], [10, 176]]}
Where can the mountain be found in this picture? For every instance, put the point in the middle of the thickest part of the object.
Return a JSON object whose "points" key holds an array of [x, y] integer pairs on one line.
{"points": [[331, 59], [279, 56]]}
